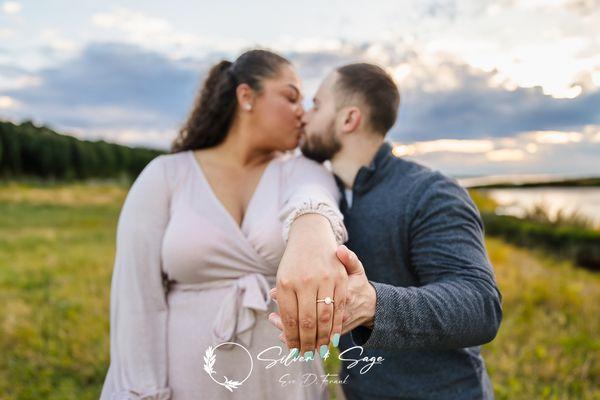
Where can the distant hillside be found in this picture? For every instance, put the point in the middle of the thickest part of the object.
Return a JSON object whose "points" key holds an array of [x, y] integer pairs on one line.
{"points": [[586, 182], [511, 182], [30, 151]]}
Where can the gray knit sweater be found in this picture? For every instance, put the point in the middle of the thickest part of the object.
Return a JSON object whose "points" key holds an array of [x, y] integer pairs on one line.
{"points": [[420, 239]]}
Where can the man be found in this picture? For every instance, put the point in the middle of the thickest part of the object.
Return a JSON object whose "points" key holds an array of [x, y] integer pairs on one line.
{"points": [[430, 298]]}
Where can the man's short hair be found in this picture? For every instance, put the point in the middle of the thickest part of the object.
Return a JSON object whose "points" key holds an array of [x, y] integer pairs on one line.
{"points": [[375, 88]]}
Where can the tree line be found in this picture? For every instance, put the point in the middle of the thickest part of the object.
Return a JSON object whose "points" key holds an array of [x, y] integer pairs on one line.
{"points": [[30, 151]]}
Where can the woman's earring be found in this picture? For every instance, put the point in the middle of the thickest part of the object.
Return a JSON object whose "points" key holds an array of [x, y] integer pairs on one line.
{"points": [[247, 107]]}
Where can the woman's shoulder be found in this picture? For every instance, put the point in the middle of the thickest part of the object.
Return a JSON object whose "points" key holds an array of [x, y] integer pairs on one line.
{"points": [[175, 163], [293, 162], [168, 168], [173, 158]]}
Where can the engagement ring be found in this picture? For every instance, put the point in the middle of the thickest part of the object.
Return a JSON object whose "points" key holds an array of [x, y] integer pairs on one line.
{"points": [[326, 300]]}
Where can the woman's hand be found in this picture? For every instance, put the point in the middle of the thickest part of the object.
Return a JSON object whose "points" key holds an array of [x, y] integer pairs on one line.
{"points": [[310, 270], [361, 296]]}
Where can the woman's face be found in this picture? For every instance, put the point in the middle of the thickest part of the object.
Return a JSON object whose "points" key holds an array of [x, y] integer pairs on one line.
{"points": [[277, 111]]}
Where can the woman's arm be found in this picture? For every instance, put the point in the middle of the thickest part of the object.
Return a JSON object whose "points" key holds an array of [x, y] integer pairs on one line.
{"points": [[309, 269], [138, 307]]}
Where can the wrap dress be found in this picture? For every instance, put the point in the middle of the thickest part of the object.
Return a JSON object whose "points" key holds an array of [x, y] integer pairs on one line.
{"points": [[190, 287]]}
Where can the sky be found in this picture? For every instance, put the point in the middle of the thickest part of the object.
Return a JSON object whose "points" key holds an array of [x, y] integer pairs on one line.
{"points": [[487, 87]]}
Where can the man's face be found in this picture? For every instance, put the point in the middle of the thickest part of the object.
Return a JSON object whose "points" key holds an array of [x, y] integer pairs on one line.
{"points": [[320, 141]]}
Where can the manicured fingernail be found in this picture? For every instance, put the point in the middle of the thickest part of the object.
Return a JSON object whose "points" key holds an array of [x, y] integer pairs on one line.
{"points": [[308, 355], [323, 350], [336, 340], [294, 352]]}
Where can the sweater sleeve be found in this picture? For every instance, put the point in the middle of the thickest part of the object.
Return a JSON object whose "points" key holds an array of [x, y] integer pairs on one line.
{"points": [[457, 303], [138, 307], [311, 188]]}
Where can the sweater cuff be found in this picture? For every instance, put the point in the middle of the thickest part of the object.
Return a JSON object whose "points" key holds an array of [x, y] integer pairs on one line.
{"points": [[386, 312]]}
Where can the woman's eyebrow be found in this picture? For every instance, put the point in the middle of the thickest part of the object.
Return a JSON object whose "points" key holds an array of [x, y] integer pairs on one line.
{"points": [[296, 90]]}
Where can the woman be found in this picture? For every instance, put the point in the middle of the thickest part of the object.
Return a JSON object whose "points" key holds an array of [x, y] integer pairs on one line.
{"points": [[201, 236]]}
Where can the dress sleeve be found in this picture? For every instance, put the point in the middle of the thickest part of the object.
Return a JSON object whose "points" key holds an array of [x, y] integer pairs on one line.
{"points": [[138, 307], [310, 188]]}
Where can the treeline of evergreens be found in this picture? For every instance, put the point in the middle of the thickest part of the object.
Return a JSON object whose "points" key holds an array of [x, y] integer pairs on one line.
{"points": [[30, 151]]}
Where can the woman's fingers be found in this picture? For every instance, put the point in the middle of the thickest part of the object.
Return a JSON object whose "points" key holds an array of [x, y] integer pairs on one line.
{"points": [[273, 294], [275, 319], [324, 318], [309, 326], [338, 308], [288, 310], [282, 338], [307, 314]]}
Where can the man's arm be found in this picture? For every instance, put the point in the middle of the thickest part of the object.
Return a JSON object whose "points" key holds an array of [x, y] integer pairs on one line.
{"points": [[457, 303]]}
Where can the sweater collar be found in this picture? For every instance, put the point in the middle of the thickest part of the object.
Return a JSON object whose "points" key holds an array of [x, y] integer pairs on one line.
{"points": [[368, 176]]}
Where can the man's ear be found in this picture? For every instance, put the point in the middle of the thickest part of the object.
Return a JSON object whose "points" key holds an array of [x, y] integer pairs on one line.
{"points": [[352, 118]]}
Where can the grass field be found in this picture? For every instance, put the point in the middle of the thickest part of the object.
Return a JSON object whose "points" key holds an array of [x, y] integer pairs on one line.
{"points": [[56, 259]]}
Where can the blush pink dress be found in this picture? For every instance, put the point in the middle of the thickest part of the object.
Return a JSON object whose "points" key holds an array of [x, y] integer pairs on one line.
{"points": [[190, 287]]}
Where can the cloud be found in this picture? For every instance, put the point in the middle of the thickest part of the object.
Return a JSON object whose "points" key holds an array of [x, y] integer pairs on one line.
{"points": [[444, 97], [545, 43], [453, 116], [505, 155], [153, 138], [131, 21], [459, 101], [157, 34], [584, 7], [8, 102], [445, 145], [555, 137], [113, 85], [526, 153], [11, 7], [5, 33], [56, 42]]}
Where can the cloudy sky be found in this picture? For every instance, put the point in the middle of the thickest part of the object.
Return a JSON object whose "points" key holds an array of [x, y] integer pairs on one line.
{"points": [[488, 87]]}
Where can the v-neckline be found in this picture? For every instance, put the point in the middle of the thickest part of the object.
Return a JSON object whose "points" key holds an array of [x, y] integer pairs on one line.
{"points": [[213, 195]]}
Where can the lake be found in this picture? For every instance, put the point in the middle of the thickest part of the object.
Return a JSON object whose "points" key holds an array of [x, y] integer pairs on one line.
{"points": [[515, 202]]}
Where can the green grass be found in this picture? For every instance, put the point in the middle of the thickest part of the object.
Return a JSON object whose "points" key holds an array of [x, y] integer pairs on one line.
{"points": [[56, 259], [56, 254], [548, 345]]}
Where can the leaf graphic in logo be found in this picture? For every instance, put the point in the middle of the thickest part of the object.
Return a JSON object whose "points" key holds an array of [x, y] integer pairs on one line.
{"points": [[230, 385], [209, 360]]}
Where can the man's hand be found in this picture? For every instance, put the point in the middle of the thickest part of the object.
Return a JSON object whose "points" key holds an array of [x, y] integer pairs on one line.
{"points": [[361, 297], [309, 270]]}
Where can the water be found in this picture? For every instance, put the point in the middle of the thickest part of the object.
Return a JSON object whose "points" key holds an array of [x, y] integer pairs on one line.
{"points": [[586, 201]]}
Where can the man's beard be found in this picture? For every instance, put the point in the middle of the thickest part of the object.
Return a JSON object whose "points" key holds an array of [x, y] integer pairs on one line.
{"points": [[321, 147]]}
